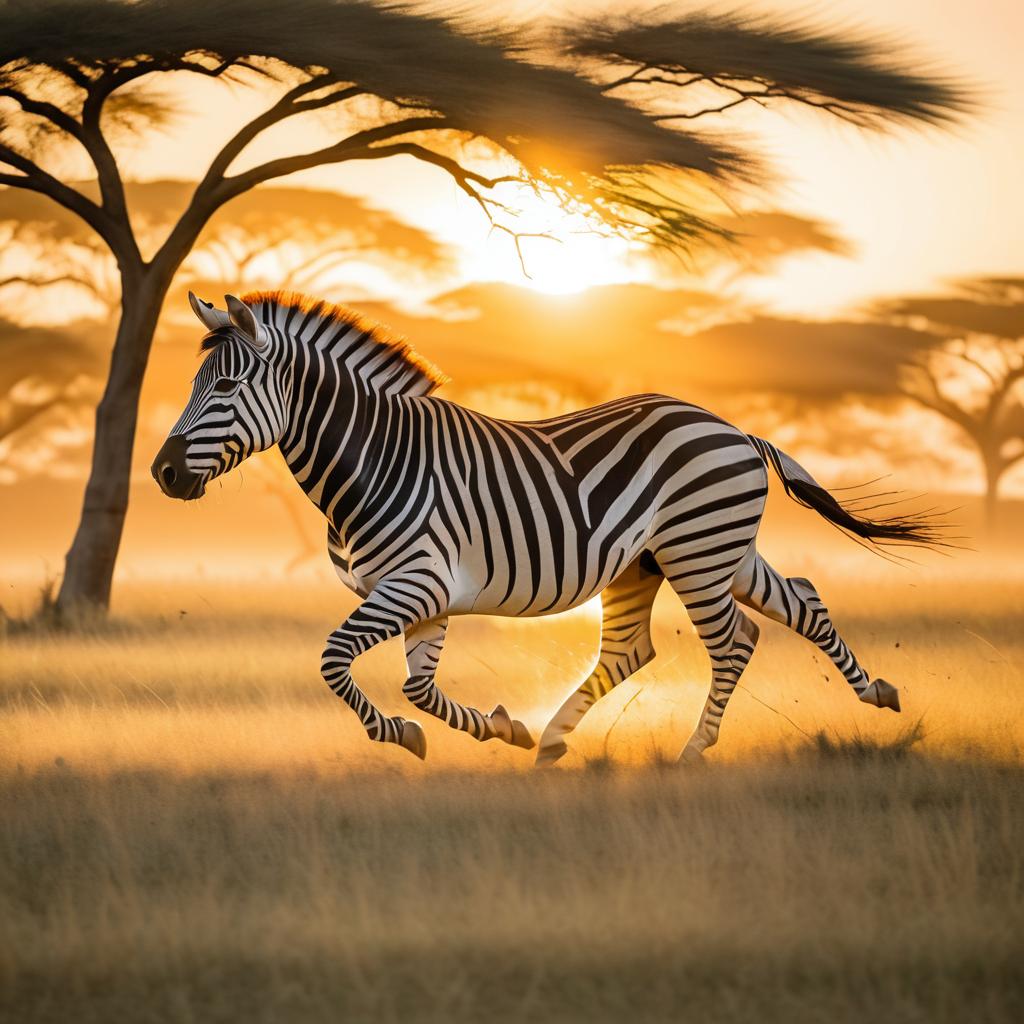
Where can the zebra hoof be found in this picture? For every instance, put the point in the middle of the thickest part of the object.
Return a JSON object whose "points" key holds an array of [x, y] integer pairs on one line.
{"points": [[882, 695], [510, 730], [549, 753], [413, 739], [691, 756], [521, 736]]}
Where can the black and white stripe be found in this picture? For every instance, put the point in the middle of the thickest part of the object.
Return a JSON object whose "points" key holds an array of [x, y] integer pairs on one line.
{"points": [[435, 510]]}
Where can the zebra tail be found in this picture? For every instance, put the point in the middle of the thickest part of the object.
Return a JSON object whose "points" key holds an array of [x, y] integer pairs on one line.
{"points": [[915, 528]]}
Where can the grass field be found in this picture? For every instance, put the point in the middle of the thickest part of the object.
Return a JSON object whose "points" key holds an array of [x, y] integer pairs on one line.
{"points": [[195, 830]]}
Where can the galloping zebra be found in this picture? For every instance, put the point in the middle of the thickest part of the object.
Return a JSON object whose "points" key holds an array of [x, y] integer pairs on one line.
{"points": [[434, 510]]}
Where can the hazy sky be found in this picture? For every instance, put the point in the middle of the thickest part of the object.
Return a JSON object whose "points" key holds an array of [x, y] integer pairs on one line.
{"points": [[921, 206], [925, 205]]}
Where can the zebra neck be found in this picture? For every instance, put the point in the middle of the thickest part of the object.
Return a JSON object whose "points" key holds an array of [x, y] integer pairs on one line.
{"points": [[338, 448]]}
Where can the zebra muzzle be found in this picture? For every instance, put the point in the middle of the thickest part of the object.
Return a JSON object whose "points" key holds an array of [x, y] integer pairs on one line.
{"points": [[171, 472]]}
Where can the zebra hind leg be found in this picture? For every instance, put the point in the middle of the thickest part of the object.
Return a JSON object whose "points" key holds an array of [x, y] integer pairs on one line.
{"points": [[730, 638], [795, 603], [626, 647], [423, 645]]}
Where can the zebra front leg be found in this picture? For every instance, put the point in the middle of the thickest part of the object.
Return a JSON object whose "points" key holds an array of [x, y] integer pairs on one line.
{"points": [[386, 612], [423, 644]]}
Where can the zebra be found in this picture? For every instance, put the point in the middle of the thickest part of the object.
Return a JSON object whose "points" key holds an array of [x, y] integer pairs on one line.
{"points": [[434, 510]]}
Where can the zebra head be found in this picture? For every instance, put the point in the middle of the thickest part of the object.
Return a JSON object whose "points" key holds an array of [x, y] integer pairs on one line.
{"points": [[236, 407]]}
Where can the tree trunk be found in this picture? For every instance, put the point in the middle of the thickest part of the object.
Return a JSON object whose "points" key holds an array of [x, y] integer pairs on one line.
{"points": [[89, 566], [994, 469]]}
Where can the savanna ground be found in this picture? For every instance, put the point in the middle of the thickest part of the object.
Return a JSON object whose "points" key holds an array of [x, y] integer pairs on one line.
{"points": [[195, 830]]}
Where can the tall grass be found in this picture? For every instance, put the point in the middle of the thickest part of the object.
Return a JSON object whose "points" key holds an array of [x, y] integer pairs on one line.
{"points": [[800, 888], [194, 830]]}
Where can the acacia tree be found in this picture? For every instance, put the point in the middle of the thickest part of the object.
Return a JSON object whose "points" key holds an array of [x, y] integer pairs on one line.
{"points": [[976, 379], [299, 239], [308, 236], [26, 396], [422, 86], [48, 385], [45, 247]]}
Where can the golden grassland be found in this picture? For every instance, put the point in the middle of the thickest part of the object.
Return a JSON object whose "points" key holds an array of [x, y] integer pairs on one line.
{"points": [[820, 887], [195, 830]]}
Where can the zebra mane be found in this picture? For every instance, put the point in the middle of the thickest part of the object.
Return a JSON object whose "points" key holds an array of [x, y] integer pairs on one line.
{"points": [[422, 376]]}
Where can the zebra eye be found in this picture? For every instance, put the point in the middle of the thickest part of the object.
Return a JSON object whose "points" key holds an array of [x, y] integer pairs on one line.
{"points": [[224, 385]]}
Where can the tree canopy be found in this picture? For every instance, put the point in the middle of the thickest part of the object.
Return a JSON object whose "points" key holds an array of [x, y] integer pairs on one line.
{"points": [[753, 59], [572, 129]]}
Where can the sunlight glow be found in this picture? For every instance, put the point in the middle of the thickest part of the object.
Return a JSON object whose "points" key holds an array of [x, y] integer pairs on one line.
{"points": [[559, 252]]}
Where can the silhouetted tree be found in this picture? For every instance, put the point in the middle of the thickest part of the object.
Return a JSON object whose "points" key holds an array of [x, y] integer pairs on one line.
{"points": [[976, 379], [48, 380], [410, 84], [761, 238], [45, 247], [308, 236], [302, 239]]}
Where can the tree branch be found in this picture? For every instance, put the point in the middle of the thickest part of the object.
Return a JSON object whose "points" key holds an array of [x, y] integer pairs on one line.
{"points": [[90, 136], [24, 415], [47, 282], [633, 78], [356, 147], [446, 163], [107, 171], [625, 79], [981, 367], [1012, 460], [215, 189], [285, 107], [212, 72], [35, 179], [765, 90], [48, 111], [933, 399], [70, 70], [701, 113]]}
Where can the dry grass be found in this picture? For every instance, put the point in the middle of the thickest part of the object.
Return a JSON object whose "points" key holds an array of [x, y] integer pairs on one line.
{"points": [[802, 889], [195, 831], [206, 676]]}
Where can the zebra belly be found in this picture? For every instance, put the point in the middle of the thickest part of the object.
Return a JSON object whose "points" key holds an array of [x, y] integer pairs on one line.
{"points": [[536, 591]]}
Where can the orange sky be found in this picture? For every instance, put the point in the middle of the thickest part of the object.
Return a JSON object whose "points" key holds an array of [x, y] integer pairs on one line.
{"points": [[920, 206]]}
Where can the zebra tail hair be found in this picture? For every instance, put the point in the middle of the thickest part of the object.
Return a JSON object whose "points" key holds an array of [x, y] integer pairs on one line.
{"points": [[920, 529]]}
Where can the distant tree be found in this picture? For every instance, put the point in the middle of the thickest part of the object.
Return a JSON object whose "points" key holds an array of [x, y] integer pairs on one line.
{"points": [[812, 359], [303, 240], [45, 248], [48, 379], [976, 379], [402, 83], [761, 238], [302, 237]]}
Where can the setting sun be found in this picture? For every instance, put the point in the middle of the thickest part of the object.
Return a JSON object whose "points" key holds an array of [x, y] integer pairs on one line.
{"points": [[552, 251]]}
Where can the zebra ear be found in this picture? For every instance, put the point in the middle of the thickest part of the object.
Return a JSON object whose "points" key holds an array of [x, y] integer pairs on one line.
{"points": [[210, 317], [242, 317]]}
